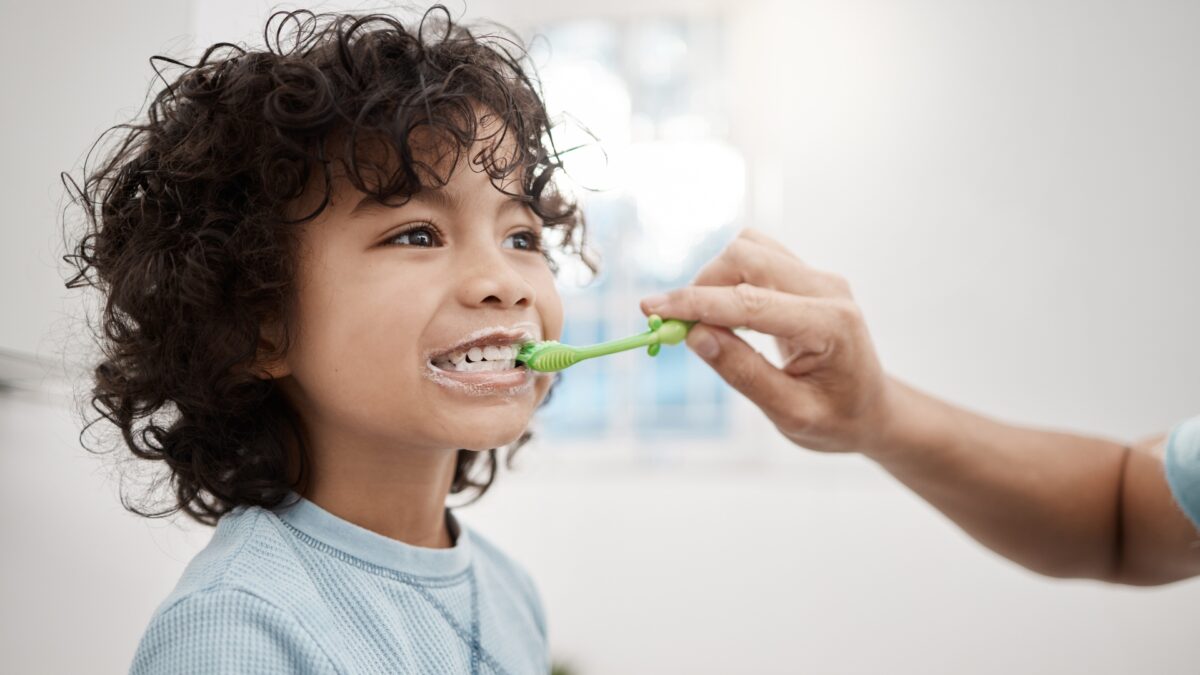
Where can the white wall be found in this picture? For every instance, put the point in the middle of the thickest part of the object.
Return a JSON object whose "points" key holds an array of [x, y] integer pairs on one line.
{"points": [[69, 72], [1009, 187], [79, 576]]}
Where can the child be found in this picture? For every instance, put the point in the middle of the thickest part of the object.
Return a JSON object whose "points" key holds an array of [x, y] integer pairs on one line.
{"points": [[317, 259]]}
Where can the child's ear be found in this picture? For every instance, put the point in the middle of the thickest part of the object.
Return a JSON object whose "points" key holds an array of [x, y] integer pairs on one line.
{"points": [[269, 363]]}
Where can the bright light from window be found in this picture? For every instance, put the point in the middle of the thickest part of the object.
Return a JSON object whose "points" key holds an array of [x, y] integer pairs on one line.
{"points": [[684, 190], [583, 97]]}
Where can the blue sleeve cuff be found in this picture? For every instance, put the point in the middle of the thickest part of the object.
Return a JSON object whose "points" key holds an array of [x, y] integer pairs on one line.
{"points": [[1182, 463]]}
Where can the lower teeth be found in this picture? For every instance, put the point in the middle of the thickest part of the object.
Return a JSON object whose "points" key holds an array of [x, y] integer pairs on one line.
{"points": [[476, 367]]}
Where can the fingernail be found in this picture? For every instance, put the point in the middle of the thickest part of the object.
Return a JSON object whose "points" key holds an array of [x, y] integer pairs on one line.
{"points": [[654, 301], [703, 343]]}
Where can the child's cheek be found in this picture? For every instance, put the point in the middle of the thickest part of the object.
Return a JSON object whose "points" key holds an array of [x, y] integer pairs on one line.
{"points": [[551, 310]]}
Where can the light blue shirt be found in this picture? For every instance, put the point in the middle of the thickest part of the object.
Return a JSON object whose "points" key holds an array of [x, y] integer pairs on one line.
{"points": [[299, 590], [1183, 467]]}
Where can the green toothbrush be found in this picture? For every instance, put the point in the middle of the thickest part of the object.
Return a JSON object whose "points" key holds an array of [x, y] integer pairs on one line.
{"points": [[551, 355]]}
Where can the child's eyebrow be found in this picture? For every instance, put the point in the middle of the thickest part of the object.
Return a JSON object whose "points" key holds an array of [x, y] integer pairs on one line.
{"points": [[437, 198], [369, 203]]}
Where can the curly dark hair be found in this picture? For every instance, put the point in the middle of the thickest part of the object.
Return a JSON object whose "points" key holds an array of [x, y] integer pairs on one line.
{"points": [[188, 241]]}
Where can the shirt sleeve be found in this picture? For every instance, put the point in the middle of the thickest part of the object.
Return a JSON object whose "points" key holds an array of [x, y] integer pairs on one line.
{"points": [[227, 631], [1182, 464]]}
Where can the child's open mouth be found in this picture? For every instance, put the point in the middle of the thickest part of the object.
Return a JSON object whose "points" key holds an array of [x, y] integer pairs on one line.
{"points": [[485, 364], [480, 359]]}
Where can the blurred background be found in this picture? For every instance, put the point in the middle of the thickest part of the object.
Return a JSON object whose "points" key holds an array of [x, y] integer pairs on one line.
{"points": [[1012, 188]]}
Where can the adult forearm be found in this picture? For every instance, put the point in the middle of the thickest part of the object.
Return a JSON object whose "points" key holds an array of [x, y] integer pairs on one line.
{"points": [[1047, 500]]}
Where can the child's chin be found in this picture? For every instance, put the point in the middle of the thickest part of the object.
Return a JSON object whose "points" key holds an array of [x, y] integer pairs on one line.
{"points": [[487, 442]]}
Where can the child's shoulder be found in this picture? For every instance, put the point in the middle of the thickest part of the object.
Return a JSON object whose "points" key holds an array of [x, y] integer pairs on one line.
{"points": [[244, 598], [249, 554]]}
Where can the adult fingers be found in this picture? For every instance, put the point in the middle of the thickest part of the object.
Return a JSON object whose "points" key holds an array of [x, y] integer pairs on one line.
{"points": [[747, 260], [758, 236], [797, 317]]}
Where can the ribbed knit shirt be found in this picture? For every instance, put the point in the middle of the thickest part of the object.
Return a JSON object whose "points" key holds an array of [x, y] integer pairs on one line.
{"points": [[297, 589]]}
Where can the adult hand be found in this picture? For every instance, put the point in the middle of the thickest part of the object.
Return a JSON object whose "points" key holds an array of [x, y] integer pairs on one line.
{"points": [[830, 393]]}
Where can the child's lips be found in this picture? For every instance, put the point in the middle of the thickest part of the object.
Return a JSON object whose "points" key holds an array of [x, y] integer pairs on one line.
{"points": [[515, 335], [497, 339], [489, 381]]}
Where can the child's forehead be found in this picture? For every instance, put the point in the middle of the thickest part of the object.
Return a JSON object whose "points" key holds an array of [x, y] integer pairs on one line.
{"points": [[359, 169], [435, 143]]}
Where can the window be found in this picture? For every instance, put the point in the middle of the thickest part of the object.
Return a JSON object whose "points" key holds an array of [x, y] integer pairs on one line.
{"points": [[640, 109]]}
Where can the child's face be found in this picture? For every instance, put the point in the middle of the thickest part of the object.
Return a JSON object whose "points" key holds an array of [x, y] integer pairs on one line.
{"points": [[386, 296]]}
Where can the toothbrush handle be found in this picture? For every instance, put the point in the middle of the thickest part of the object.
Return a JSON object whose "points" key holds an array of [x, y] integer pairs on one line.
{"points": [[614, 346], [671, 331]]}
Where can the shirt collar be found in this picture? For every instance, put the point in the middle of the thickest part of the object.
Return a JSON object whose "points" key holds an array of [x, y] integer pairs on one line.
{"points": [[373, 548]]}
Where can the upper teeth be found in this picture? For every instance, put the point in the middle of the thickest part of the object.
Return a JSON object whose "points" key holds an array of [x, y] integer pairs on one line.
{"points": [[491, 357]]}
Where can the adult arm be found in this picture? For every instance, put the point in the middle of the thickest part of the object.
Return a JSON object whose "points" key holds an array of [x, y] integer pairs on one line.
{"points": [[1062, 504]]}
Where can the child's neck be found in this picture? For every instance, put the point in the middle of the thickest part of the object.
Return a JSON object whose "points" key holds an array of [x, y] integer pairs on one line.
{"points": [[404, 499]]}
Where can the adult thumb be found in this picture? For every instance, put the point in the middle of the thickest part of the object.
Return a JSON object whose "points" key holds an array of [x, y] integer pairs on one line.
{"points": [[739, 364]]}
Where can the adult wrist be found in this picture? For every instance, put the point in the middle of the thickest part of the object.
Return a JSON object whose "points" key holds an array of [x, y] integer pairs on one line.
{"points": [[914, 425]]}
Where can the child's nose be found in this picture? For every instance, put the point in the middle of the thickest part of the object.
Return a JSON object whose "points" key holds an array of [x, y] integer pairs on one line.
{"points": [[495, 284]]}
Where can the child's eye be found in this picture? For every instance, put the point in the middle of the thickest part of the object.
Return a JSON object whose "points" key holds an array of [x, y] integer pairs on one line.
{"points": [[525, 241], [425, 236]]}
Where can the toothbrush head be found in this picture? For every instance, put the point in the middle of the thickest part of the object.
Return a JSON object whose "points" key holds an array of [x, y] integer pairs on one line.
{"points": [[547, 356]]}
